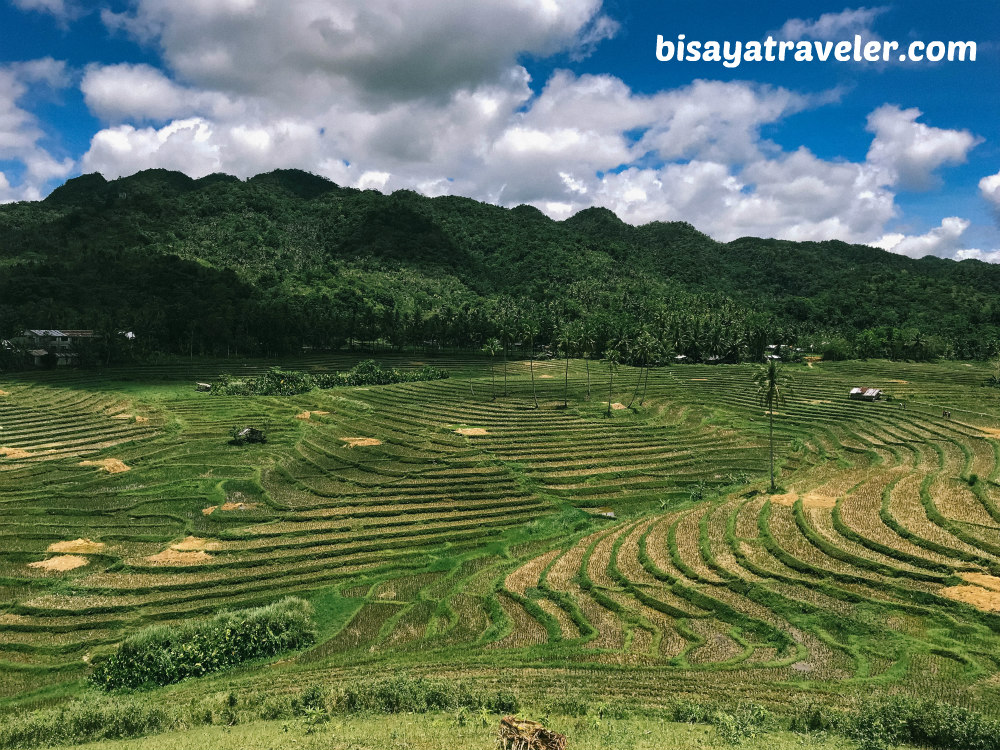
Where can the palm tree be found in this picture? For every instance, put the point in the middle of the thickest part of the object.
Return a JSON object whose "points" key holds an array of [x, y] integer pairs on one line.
{"points": [[568, 337], [530, 330], [587, 343], [772, 385], [653, 350], [642, 351], [613, 356], [491, 347], [507, 327]]}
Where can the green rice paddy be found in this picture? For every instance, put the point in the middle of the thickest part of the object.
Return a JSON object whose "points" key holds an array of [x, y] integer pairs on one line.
{"points": [[438, 531]]}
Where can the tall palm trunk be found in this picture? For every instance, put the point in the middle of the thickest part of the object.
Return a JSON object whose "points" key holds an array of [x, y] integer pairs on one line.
{"points": [[770, 420], [505, 370], [587, 360], [638, 382], [566, 385], [611, 387], [531, 366], [645, 384]]}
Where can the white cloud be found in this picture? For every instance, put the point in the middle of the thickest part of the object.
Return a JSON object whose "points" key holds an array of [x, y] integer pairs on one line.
{"points": [[910, 151], [599, 30], [944, 241], [390, 50], [990, 189], [57, 8], [142, 92], [987, 256], [430, 96], [833, 26], [20, 132]]}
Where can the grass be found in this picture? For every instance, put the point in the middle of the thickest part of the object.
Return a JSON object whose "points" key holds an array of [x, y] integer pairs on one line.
{"points": [[435, 731], [480, 556]]}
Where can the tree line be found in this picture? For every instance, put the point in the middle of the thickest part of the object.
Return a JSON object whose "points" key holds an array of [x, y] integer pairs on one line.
{"points": [[289, 261]]}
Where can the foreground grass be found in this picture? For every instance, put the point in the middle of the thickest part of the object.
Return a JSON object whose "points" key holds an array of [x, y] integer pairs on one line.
{"points": [[439, 730]]}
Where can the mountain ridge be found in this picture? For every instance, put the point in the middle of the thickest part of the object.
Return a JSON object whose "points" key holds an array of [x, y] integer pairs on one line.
{"points": [[287, 240]]}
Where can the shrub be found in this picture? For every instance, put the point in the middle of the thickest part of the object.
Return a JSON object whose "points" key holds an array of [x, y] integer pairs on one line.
{"points": [[883, 722], [278, 382], [274, 382], [370, 372], [164, 654], [745, 723], [416, 695], [91, 718]]}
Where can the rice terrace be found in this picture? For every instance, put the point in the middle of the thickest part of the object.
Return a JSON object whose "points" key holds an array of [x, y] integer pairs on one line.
{"points": [[555, 553], [499, 375]]}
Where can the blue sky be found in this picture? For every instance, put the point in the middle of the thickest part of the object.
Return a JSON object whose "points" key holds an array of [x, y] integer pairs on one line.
{"points": [[558, 103]]}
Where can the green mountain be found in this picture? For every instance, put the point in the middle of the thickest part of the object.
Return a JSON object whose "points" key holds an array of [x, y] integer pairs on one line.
{"points": [[288, 259]]}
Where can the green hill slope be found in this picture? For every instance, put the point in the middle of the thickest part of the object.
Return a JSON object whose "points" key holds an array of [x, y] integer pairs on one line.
{"points": [[288, 259]]}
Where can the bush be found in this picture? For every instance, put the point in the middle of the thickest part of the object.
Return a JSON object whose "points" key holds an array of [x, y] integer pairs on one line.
{"points": [[278, 382], [163, 654], [370, 372], [89, 719], [813, 717], [745, 723], [417, 695], [274, 382], [885, 722]]}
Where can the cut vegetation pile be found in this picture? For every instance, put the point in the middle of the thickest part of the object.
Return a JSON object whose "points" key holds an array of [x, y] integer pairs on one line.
{"points": [[60, 563], [110, 465], [78, 547]]}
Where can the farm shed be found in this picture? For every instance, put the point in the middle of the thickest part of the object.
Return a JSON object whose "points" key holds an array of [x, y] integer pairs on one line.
{"points": [[865, 394], [59, 344]]}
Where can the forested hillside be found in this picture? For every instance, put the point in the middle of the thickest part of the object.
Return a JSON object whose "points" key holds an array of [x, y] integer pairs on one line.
{"points": [[288, 259]]}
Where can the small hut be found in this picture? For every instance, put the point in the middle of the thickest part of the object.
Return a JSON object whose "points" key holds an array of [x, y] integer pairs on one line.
{"points": [[865, 394], [248, 435]]}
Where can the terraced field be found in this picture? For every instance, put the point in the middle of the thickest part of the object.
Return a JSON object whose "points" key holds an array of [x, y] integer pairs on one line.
{"points": [[441, 531]]}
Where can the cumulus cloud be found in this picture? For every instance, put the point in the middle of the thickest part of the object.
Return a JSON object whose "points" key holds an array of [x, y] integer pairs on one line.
{"points": [[20, 133], [142, 92], [384, 48], [944, 241], [989, 187], [910, 151], [58, 8], [987, 256], [833, 26], [430, 96]]}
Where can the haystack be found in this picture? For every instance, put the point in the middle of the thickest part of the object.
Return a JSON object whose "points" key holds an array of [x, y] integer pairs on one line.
{"points": [[524, 734], [361, 442], [110, 465]]}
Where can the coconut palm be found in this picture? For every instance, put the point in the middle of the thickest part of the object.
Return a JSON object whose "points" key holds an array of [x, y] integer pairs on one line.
{"points": [[642, 351], [530, 329], [587, 343], [491, 347], [567, 340], [772, 386], [653, 350], [506, 322], [613, 356]]}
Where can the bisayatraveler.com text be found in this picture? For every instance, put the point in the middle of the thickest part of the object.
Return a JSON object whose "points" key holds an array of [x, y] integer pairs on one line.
{"points": [[858, 50]]}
